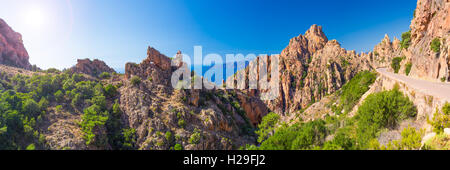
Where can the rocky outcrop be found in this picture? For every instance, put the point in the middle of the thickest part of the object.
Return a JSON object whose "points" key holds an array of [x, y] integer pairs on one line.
{"points": [[12, 50], [254, 108], [156, 66], [384, 52], [431, 21], [198, 119], [311, 67], [93, 68]]}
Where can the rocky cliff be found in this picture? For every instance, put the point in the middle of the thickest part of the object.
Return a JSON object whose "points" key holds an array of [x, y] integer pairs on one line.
{"points": [[384, 52], [311, 67], [93, 68], [431, 22], [153, 107], [12, 50]]}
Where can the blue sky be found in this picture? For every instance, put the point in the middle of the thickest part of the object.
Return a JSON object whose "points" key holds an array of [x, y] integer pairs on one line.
{"points": [[57, 32]]}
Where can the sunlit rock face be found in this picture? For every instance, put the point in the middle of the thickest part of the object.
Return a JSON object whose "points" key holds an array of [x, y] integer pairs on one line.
{"points": [[12, 50], [311, 67], [431, 21], [93, 68]]}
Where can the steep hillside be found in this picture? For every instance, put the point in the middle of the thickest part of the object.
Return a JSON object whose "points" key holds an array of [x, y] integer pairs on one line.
{"points": [[198, 119]]}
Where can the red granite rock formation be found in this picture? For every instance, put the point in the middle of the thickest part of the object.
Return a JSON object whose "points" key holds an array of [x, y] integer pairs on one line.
{"points": [[12, 50]]}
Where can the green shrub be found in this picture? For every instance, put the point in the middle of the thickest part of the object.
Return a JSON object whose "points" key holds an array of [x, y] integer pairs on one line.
{"points": [[181, 123], [135, 80], [395, 65], [59, 96], [110, 90], [99, 101], [408, 67], [441, 120], [52, 70], [58, 108], [382, 110], [105, 75], [178, 147], [91, 119], [353, 90], [195, 137], [436, 45], [298, 136], [169, 136], [31, 147], [30, 107], [343, 140], [43, 104], [77, 100], [129, 136], [406, 40], [411, 140], [267, 126]]}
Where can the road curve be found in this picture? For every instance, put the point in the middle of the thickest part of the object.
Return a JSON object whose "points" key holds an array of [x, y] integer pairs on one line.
{"points": [[440, 90]]}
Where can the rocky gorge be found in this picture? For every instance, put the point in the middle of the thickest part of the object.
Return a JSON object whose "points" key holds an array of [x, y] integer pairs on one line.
{"points": [[141, 110]]}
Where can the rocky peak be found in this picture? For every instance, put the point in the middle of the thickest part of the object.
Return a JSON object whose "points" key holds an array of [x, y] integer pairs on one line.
{"points": [[93, 68], [160, 60], [311, 67], [302, 46], [386, 39], [317, 38], [384, 52], [396, 43], [12, 50], [156, 67]]}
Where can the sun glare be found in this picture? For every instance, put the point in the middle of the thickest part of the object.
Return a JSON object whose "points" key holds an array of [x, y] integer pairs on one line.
{"points": [[35, 18]]}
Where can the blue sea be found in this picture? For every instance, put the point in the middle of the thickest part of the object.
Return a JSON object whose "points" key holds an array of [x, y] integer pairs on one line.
{"points": [[204, 68]]}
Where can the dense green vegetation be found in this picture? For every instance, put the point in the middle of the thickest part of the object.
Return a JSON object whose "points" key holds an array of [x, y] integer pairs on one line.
{"points": [[436, 45], [26, 100], [382, 110], [406, 40], [267, 126], [299, 136], [105, 75], [379, 111], [395, 65], [354, 89]]}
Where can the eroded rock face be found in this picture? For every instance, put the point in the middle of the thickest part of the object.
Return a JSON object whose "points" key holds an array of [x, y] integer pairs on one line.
{"points": [[156, 66], [12, 50], [198, 119], [431, 21], [93, 68], [311, 67], [384, 52], [254, 108]]}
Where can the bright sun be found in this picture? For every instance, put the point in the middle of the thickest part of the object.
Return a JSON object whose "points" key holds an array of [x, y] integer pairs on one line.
{"points": [[35, 18]]}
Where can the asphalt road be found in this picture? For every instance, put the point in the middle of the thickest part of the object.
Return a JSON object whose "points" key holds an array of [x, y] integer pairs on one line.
{"points": [[440, 90]]}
